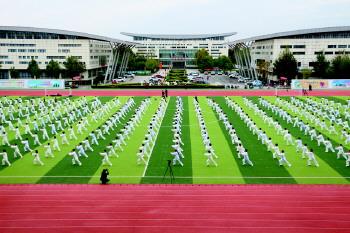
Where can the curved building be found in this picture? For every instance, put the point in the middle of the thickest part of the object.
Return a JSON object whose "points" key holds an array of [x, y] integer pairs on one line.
{"points": [[18, 45], [179, 50], [304, 44]]}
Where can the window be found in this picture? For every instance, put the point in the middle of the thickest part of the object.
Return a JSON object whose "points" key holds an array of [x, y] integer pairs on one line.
{"points": [[69, 45], [317, 53], [4, 57], [285, 46], [298, 53], [299, 46], [41, 50], [299, 64], [55, 57], [9, 62], [339, 52], [22, 50], [332, 46], [329, 53], [342, 46], [31, 50], [312, 64], [12, 50]]}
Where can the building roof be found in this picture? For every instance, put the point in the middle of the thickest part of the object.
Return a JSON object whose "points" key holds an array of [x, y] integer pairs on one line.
{"points": [[179, 37], [64, 32], [293, 33]]}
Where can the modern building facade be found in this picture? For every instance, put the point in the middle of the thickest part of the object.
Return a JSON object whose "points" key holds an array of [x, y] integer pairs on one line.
{"points": [[19, 45], [304, 44], [179, 50]]}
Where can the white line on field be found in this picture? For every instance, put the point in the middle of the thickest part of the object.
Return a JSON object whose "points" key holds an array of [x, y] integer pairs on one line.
{"points": [[197, 177]]}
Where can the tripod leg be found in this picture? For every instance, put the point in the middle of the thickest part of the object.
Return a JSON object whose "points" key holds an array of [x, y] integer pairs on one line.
{"points": [[166, 170], [172, 177]]}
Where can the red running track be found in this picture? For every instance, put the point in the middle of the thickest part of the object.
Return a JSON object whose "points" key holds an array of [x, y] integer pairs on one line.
{"points": [[145, 92], [175, 208]]}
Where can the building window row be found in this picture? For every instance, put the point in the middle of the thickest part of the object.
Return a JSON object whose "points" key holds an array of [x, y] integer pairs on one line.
{"points": [[69, 45], [16, 45], [27, 50], [55, 57], [28, 57], [6, 62], [4, 57], [64, 50]]}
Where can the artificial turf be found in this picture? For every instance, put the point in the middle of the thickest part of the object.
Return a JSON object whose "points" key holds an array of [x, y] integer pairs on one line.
{"points": [[195, 170]]}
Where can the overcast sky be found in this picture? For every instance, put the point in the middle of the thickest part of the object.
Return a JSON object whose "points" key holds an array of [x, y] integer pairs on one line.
{"points": [[110, 17]]}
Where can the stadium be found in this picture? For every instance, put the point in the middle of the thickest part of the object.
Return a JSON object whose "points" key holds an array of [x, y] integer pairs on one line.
{"points": [[214, 160]]}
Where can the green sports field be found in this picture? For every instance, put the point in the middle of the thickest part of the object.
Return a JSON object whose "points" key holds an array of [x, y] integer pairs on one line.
{"points": [[195, 171]]}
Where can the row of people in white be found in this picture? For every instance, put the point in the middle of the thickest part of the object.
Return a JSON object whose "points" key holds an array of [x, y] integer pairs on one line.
{"points": [[209, 150], [307, 130], [177, 132], [145, 150], [312, 114], [97, 134], [320, 138], [285, 134]]}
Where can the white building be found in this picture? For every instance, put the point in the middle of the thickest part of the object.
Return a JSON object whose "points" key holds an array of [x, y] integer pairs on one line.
{"points": [[304, 44], [179, 50], [18, 45]]}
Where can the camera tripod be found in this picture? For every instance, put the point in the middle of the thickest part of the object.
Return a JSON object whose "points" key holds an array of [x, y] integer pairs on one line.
{"points": [[171, 174]]}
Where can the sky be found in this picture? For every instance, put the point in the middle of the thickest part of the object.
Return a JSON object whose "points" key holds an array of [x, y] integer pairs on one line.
{"points": [[110, 17]]}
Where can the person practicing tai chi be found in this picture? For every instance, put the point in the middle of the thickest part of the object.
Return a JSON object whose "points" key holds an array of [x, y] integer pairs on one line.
{"points": [[341, 152], [141, 157], [105, 159], [26, 145], [75, 158], [16, 151], [348, 158], [176, 158], [5, 158], [55, 144], [283, 160], [245, 159], [210, 159], [37, 160], [48, 151], [311, 158]]}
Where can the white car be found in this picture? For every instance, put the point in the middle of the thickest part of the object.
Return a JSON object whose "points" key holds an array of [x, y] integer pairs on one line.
{"points": [[129, 76], [119, 80], [190, 78]]}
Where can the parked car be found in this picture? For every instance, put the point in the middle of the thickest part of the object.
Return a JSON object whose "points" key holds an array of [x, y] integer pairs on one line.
{"points": [[213, 73], [220, 73], [206, 73], [129, 75], [118, 80], [190, 78], [155, 79], [241, 79], [199, 80]]}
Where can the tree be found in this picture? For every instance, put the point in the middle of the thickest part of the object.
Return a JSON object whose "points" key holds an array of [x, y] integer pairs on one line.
{"points": [[224, 63], [152, 65], [306, 73], [103, 61], [53, 69], [263, 68], [321, 66], [33, 69], [136, 62], [203, 59], [286, 66], [340, 68], [14, 73], [231, 55], [74, 67]]}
